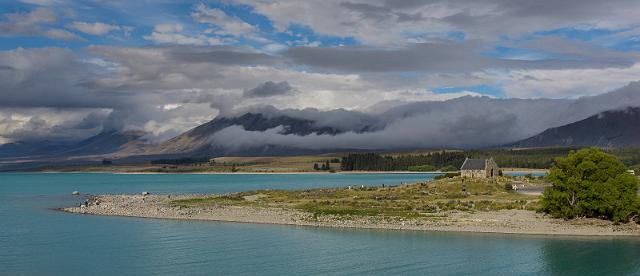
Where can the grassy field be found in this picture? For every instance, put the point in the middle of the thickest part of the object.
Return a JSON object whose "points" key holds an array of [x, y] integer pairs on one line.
{"points": [[278, 163], [275, 164], [409, 201]]}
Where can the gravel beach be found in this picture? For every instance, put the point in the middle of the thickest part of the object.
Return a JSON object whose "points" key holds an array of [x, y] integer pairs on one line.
{"points": [[503, 221]]}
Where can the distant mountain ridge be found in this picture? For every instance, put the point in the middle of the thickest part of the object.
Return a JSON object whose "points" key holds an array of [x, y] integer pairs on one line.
{"points": [[103, 143], [616, 128], [466, 122], [198, 141]]}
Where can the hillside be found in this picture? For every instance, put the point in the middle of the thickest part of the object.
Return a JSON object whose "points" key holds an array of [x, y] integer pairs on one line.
{"points": [[460, 123], [199, 141], [616, 128], [103, 143]]}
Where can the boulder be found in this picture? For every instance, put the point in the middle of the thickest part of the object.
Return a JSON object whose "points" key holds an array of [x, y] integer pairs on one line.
{"points": [[145, 193], [75, 193]]}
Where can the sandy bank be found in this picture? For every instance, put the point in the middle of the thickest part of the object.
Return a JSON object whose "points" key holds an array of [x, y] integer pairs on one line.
{"points": [[504, 221]]}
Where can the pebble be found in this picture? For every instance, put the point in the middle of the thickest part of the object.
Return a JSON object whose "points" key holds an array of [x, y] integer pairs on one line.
{"points": [[504, 221]]}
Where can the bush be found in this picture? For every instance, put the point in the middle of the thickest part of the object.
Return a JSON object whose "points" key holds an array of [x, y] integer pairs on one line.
{"points": [[591, 183], [448, 169]]}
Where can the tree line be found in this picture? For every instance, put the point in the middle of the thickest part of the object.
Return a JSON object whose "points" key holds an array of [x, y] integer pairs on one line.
{"points": [[542, 158], [183, 161], [377, 162]]}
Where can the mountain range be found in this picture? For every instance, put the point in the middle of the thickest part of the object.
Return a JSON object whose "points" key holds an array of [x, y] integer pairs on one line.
{"points": [[611, 129], [103, 143], [609, 120]]}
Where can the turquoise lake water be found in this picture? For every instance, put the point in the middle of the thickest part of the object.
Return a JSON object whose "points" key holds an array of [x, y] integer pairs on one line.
{"points": [[37, 240], [536, 173]]}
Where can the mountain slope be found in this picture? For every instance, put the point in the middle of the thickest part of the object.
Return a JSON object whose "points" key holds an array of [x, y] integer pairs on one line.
{"points": [[106, 142], [617, 128], [29, 148], [466, 122], [103, 143], [198, 141]]}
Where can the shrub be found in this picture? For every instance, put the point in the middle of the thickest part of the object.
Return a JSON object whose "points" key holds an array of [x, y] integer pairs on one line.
{"points": [[591, 183], [448, 169]]}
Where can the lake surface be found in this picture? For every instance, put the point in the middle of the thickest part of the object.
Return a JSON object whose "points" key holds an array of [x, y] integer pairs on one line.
{"points": [[37, 240], [518, 173]]}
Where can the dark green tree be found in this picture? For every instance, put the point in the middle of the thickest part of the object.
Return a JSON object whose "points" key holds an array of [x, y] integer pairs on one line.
{"points": [[591, 183]]}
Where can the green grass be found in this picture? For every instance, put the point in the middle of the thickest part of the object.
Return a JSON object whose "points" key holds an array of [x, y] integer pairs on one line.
{"points": [[406, 201]]}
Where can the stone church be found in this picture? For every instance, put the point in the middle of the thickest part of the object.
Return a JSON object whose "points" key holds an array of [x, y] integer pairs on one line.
{"points": [[479, 168]]}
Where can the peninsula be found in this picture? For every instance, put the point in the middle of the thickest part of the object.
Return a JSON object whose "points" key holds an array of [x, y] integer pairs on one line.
{"points": [[447, 204]]}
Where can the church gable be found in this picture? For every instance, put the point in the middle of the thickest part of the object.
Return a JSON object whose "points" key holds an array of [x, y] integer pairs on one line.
{"points": [[479, 168]]}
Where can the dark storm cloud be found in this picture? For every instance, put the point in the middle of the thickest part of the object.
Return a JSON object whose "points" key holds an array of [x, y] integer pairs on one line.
{"points": [[380, 13], [47, 77], [440, 57], [493, 16], [220, 54], [429, 57], [269, 89], [340, 119]]}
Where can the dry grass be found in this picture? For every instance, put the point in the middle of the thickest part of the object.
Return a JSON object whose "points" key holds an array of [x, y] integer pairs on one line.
{"points": [[414, 200], [279, 163]]}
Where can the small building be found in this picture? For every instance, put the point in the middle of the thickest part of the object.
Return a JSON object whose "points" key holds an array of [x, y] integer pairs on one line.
{"points": [[479, 168]]}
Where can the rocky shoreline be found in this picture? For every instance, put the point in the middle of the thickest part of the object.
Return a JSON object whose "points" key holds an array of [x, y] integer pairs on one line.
{"points": [[503, 221]]}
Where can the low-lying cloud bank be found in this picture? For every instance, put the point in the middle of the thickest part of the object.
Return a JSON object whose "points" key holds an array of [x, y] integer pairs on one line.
{"points": [[467, 122], [56, 94]]}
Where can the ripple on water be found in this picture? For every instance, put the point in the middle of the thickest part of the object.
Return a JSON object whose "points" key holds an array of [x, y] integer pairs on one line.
{"points": [[37, 240]]}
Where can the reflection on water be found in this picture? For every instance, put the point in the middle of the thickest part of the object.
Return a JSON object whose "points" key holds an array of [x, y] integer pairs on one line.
{"points": [[591, 256]]}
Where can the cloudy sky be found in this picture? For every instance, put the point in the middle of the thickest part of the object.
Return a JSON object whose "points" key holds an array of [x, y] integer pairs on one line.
{"points": [[70, 69]]}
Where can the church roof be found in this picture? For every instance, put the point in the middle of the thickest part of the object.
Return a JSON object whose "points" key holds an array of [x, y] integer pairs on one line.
{"points": [[473, 164]]}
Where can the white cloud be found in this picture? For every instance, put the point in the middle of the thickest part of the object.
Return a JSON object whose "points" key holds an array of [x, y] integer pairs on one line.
{"points": [[20, 124], [393, 23], [227, 25], [274, 47], [97, 28], [567, 83], [174, 34], [27, 23], [168, 28], [175, 38], [39, 15], [35, 23]]}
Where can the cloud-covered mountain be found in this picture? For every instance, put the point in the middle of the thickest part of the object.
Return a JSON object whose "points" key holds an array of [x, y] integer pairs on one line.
{"points": [[101, 144], [616, 128], [466, 122], [305, 123]]}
